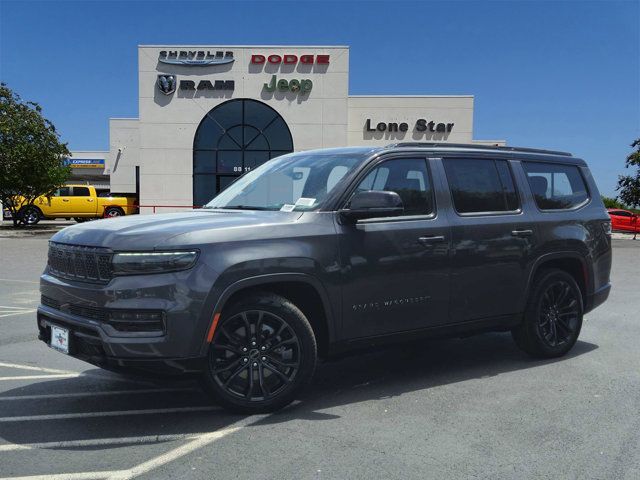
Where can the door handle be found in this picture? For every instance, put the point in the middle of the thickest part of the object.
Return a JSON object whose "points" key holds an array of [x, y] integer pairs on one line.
{"points": [[65, 199], [522, 233], [89, 199], [430, 240]]}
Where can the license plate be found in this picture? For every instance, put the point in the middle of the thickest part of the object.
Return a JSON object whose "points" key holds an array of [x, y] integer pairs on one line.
{"points": [[60, 339]]}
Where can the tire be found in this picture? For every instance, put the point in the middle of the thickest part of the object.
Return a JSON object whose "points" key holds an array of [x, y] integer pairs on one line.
{"points": [[260, 372], [553, 317], [112, 212], [30, 215]]}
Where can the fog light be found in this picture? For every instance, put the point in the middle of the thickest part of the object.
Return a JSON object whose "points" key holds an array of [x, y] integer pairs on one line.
{"points": [[137, 320]]}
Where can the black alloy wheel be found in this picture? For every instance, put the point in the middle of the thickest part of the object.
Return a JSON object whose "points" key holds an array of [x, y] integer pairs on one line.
{"points": [[30, 215], [553, 318], [559, 313], [262, 353]]}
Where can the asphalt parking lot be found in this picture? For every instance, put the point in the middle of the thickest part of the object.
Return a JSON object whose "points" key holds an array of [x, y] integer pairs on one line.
{"points": [[462, 408]]}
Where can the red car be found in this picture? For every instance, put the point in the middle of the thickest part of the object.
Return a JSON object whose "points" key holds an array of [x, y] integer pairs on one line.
{"points": [[624, 220]]}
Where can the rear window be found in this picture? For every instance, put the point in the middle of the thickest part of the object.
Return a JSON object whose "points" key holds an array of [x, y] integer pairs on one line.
{"points": [[81, 192], [556, 187], [481, 185]]}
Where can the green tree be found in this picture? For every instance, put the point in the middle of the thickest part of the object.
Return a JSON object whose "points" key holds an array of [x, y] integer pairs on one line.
{"points": [[32, 157], [629, 185], [612, 203]]}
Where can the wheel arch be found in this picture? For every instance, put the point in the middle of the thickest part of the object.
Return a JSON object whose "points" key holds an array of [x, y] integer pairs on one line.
{"points": [[113, 207], [34, 206], [303, 290], [571, 262]]}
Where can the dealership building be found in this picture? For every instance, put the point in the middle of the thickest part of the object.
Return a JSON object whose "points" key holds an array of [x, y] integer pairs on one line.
{"points": [[209, 113]]}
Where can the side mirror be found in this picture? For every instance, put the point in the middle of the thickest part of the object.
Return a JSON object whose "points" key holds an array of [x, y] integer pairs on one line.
{"points": [[373, 204]]}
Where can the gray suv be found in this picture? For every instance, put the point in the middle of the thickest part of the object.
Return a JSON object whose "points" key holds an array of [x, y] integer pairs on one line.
{"points": [[316, 253]]}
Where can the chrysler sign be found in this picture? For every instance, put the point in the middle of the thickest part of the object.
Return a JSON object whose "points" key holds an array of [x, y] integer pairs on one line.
{"points": [[195, 57]]}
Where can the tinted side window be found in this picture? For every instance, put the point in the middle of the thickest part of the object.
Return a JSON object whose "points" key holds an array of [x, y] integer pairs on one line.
{"points": [[621, 213], [409, 178], [80, 191], [63, 192], [481, 185], [556, 186]]}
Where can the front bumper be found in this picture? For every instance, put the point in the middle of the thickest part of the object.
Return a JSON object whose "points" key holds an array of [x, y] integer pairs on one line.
{"points": [[176, 349]]}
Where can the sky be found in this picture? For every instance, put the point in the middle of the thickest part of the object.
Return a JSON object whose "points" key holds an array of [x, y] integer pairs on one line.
{"points": [[563, 75]]}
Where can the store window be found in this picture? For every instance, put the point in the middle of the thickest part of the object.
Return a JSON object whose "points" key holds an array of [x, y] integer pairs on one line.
{"points": [[233, 138]]}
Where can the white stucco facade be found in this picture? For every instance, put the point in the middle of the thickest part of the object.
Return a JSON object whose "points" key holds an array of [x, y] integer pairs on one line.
{"points": [[307, 86]]}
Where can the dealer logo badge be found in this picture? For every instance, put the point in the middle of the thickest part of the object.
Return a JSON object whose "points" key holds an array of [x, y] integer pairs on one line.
{"points": [[167, 84]]}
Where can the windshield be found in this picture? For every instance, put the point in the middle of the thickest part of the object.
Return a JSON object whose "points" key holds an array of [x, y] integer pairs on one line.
{"points": [[297, 181]]}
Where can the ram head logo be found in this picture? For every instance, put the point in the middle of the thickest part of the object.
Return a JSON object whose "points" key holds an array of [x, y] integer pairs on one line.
{"points": [[167, 84]]}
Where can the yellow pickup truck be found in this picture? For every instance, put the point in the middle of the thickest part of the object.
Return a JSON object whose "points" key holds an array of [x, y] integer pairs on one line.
{"points": [[81, 202]]}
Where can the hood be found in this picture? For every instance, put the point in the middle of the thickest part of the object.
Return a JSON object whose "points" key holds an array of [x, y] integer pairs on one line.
{"points": [[148, 232]]}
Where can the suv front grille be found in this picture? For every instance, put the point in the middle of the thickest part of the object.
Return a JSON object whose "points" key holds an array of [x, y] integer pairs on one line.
{"points": [[75, 262]]}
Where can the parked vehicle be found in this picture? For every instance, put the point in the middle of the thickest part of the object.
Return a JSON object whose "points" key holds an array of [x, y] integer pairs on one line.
{"points": [[80, 202], [624, 220], [316, 253]]}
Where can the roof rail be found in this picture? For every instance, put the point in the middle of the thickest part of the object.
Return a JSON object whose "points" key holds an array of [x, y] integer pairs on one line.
{"points": [[478, 147]]}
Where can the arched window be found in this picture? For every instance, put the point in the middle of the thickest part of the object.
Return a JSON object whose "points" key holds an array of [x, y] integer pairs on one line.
{"points": [[233, 138]]}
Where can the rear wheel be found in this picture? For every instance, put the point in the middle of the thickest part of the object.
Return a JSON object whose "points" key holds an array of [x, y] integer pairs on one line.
{"points": [[112, 212], [263, 352], [553, 318], [30, 215]]}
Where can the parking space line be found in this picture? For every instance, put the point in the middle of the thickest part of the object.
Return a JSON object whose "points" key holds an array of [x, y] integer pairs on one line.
{"points": [[67, 374], [114, 378], [31, 367], [100, 442], [40, 377], [67, 476], [196, 443], [48, 396], [18, 281], [108, 413], [185, 449], [21, 312]]}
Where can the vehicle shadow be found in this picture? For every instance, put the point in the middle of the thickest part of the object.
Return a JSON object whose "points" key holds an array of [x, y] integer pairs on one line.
{"points": [[413, 367], [181, 408]]}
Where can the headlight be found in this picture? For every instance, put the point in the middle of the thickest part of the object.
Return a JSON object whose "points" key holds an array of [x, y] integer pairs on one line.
{"points": [[131, 263]]}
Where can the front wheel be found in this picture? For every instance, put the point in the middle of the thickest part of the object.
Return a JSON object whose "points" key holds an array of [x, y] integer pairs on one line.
{"points": [[553, 318], [263, 352], [30, 215]]}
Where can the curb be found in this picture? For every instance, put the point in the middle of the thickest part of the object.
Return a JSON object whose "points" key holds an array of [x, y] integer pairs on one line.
{"points": [[623, 236], [28, 233]]}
